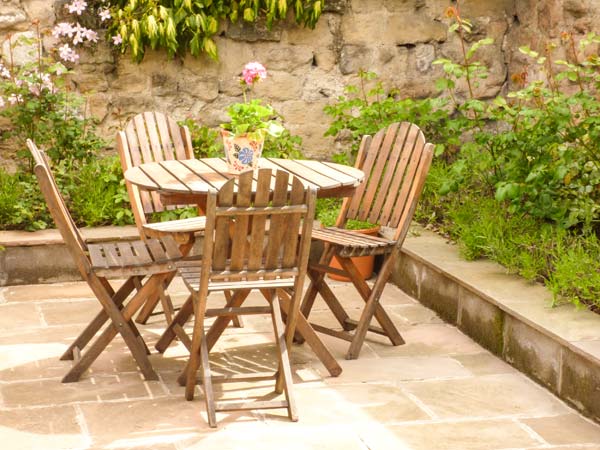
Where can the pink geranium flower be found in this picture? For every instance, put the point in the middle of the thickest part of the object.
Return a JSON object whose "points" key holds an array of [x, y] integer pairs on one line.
{"points": [[253, 72]]}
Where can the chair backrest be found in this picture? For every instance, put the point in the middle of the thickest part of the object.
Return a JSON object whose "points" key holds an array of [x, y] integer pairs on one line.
{"points": [[151, 137], [395, 162], [58, 209], [252, 226]]}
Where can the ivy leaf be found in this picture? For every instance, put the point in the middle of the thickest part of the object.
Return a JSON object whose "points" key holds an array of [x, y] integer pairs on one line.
{"points": [[249, 15]]}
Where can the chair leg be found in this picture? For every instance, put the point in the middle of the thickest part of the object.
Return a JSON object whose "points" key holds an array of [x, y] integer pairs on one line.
{"points": [[120, 324], [218, 326], [236, 320], [152, 301], [307, 333], [207, 382], [366, 293], [284, 379], [97, 322], [333, 303], [180, 319], [315, 279], [194, 361], [372, 307]]}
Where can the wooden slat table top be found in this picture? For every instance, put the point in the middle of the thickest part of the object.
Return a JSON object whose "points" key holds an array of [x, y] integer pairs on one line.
{"points": [[198, 176]]}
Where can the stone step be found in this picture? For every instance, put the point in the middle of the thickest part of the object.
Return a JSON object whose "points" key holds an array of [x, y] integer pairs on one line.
{"points": [[559, 347]]}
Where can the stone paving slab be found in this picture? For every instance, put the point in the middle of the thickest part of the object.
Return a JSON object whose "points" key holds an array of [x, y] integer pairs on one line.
{"points": [[439, 391]]}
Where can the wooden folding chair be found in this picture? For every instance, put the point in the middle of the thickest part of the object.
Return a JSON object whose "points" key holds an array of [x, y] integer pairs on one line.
{"points": [[152, 260], [155, 137], [395, 161], [251, 242]]}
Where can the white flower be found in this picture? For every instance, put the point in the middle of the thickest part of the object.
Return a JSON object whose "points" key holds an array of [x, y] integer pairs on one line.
{"points": [[104, 15], [117, 39], [66, 53], [4, 72], [77, 6], [63, 29]]}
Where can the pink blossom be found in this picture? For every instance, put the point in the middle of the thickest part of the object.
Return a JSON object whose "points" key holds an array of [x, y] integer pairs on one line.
{"points": [[34, 88], [66, 53], [2, 104], [13, 99], [117, 39], [253, 72], [19, 82], [104, 15], [63, 29], [82, 34], [77, 6]]}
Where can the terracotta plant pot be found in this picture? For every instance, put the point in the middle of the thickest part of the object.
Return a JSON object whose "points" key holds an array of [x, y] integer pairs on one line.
{"points": [[241, 152], [364, 264]]}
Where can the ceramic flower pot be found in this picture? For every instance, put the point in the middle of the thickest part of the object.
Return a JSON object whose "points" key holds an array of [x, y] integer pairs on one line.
{"points": [[241, 152], [364, 264]]}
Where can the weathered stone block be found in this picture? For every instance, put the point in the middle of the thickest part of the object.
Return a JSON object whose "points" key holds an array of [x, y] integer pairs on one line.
{"points": [[52, 262], [23, 51], [40, 10], [532, 352], [252, 32], [439, 293], [406, 275], [414, 28], [11, 16], [580, 383], [481, 320], [279, 86], [365, 29], [355, 57]]}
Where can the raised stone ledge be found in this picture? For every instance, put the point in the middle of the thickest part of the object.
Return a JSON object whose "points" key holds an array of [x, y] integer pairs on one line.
{"points": [[559, 347]]}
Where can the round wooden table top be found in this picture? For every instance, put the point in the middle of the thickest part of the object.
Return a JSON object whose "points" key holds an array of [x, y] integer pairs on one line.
{"points": [[194, 177]]}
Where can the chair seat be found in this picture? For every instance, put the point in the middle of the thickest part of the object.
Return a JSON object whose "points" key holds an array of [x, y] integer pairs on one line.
{"points": [[351, 243], [128, 258]]}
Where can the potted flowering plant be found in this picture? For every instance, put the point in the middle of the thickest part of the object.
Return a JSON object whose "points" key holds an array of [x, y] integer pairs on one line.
{"points": [[251, 121]]}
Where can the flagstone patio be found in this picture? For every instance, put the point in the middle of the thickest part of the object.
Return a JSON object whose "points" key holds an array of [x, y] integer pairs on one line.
{"points": [[439, 391]]}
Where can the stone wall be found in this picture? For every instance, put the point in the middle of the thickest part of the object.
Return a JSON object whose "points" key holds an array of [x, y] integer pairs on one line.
{"points": [[399, 39]]}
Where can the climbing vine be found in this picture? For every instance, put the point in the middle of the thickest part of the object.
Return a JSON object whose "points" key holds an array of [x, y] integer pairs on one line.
{"points": [[179, 26]]}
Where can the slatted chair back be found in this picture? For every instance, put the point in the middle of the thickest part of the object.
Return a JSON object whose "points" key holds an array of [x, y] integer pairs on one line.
{"points": [[252, 231], [151, 137], [395, 162], [64, 222]]}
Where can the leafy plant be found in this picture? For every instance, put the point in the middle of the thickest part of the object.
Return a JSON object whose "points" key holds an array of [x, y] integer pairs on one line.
{"points": [[328, 210], [35, 100], [179, 26], [251, 117]]}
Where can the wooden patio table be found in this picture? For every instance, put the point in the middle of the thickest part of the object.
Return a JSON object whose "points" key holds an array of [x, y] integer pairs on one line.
{"points": [[189, 181]]}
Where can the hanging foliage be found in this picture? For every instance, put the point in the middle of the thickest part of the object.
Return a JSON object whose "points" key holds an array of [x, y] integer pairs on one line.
{"points": [[179, 26]]}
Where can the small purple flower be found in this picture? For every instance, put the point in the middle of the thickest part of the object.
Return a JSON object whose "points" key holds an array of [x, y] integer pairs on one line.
{"points": [[246, 155]]}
